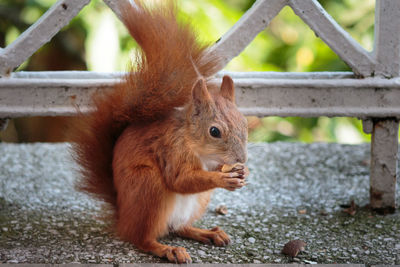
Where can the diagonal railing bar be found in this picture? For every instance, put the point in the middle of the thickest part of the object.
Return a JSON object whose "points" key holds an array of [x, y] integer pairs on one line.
{"points": [[59, 15], [115, 6], [240, 35], [246, 29], [340, 41], [387, 38]]}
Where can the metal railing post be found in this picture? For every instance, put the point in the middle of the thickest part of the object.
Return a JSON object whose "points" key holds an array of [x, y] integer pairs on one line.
{"points": [[384, 139], [384, 147]]}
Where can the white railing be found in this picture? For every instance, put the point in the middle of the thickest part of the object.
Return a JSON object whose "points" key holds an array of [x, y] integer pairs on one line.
{"points": [[371, 92]]}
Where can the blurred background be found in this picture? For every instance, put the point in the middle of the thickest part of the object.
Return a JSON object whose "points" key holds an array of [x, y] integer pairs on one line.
{"points": [[95, 40]]}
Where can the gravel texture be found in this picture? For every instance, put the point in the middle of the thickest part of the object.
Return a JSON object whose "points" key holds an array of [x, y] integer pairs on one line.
{"points": [[295, 192]]}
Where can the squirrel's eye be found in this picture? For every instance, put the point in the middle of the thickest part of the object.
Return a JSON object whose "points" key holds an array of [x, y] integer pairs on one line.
{"points": [[214, 131]]}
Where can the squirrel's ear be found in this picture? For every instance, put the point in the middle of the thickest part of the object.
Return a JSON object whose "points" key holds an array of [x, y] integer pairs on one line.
{"points": [[228, 88], [200, 93]]}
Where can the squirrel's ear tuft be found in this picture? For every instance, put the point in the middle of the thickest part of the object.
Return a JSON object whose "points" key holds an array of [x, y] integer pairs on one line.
{"points": [[200, 93], [228, 88], [201, 97]]}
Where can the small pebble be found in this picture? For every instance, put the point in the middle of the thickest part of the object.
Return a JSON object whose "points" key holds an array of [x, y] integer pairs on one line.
{"points": [[251, 240], [302, 211], [293, 247], [310, 262], [222, 210], [296, 259]]}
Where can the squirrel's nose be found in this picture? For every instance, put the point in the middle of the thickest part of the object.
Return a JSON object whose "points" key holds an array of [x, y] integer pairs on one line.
{"points": [[242, 158]]}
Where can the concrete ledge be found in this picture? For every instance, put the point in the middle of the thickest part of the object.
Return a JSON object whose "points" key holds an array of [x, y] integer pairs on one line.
{"points": [[295, 192], [56, 265], [194, 265], [176, 265]]}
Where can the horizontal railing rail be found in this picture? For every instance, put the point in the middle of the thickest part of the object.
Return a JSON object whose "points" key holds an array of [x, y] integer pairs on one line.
{"points": [[260, 94]]}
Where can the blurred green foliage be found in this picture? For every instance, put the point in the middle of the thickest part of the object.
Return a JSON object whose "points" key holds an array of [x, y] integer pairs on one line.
{"points": [[96, 40]]}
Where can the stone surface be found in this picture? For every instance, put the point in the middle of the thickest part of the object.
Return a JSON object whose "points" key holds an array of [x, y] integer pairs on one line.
{"points": [[44, 220]]}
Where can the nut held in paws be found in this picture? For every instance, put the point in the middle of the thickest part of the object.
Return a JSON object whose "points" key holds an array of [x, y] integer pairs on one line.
{"points": [[234, 167]]}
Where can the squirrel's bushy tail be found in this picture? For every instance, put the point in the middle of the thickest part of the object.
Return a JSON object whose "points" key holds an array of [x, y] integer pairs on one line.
{"points": [[167, 65]]}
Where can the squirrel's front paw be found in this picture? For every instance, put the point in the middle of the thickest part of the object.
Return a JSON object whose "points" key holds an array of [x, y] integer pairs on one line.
{"points": [[232, 180], [234, 176]]}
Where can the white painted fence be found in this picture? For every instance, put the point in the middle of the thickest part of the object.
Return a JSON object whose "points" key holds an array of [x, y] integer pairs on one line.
{"points": [[371, 92]]}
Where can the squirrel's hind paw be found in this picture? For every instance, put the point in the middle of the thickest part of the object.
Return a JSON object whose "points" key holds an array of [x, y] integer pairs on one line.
{"points": [[178, 255], [214, 236]]}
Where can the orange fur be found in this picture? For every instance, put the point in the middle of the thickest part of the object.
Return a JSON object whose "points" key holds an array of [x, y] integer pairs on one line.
{"points": [[147, 149]]}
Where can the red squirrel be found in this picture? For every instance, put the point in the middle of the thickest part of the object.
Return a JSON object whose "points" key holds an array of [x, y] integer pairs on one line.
{"points": [[153, 147]]}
